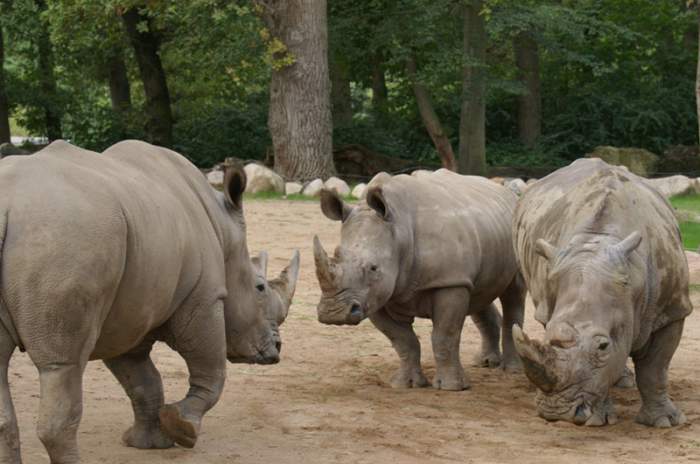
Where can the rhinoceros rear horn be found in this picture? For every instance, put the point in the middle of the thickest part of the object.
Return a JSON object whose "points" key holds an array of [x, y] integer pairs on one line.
{"points": [[234, 184], [545, 249], [629, 243], [533, 355], [323, 265]]}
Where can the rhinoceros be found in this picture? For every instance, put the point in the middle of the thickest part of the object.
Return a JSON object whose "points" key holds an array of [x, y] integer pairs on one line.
{"points": [[105, 254], [435, 246], [601, 253]]}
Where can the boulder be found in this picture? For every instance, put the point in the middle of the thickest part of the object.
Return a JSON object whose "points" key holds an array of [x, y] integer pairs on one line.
{"points": [[498, 180], [693, 267], [7, 149], [292, 188], [215, 177], [517, 186], [530, 181], [638, 160], [359, 191], [313, 188], [675, 185], [262, 179], [339, 185], [678, 159]]}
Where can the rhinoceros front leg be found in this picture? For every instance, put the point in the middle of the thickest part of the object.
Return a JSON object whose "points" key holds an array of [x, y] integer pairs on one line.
{"points": [[199, 337], [513, 302], [488, 321], [651, 367], [450, 307], [141, 381], [407, 346], [60, 410], [9, 433]]}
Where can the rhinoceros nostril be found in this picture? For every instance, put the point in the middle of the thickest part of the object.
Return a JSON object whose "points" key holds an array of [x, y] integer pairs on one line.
{"points": [[582, 414], [278, 345], [356, 310]]}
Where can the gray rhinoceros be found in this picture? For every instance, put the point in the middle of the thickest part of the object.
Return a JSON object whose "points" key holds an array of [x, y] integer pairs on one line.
{"points": [[437, 246], [601, 253], [102, 255]]}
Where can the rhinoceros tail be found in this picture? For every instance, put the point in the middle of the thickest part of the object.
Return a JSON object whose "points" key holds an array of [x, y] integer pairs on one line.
{"points": [[5, 318]]}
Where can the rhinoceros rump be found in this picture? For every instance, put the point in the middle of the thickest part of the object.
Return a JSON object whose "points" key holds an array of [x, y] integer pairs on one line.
{"points": [[601, 253], [102, 255], [437, 246]]}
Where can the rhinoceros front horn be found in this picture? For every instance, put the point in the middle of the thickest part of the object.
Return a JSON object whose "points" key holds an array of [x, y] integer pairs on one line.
{"points": [[534, 357], [323, 265]]}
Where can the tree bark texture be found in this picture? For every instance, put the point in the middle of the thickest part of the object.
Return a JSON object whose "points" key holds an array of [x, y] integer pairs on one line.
{"points": [[299, 117], [118, 81], [430, 118], [472, 123], [4, 103], [341, 97], [159, 117], [527, 59], [52, 112]]}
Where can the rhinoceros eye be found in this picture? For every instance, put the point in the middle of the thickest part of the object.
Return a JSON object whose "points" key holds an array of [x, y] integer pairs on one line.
{"points": [[260, 287], [603, 346], [373, 268]]}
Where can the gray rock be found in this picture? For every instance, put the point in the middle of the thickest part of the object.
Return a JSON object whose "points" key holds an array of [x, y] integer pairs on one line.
{"points": [[292, 188], [675, 185], [638, 160], [263, 179], [338, 185], [313, 188], [360, 191], [215, 177], [517, 186]]}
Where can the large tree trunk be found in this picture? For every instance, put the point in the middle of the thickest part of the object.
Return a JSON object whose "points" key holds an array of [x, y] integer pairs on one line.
{"points": [[118, 80], [341, 98], [472, 123], [299, 117], [159, 122], [4, 104], [527, 59], [52, 113], [430, 118], [379, 90]]}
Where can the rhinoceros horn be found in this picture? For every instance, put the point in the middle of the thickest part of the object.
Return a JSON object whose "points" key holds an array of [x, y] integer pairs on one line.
{"points": [[535, 357], [323, 266]]}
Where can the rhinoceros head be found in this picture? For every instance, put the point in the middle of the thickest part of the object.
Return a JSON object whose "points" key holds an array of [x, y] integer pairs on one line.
{"points": [[361, 276], [252, 316], [275, 296], [589, 334]]}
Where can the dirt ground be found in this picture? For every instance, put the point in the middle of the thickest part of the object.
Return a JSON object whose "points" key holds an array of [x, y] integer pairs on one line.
{"points": [[329, 400]]}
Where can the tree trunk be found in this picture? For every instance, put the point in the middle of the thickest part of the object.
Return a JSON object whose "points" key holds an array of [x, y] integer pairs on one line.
{"points": [[159, 118], [472, 123], [52, 113], [341, 98], [530, 103], [299, 117], [430, 118], [118, 80], [379, 90], [697, 76], [4, 104]]}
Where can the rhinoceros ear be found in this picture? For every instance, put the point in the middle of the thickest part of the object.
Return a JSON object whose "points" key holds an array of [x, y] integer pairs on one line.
{"points": [[234, 184], [377, 201], [545, 249], [333, 206]]}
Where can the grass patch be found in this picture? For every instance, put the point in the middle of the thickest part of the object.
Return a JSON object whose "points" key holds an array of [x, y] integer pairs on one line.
{"points": [[690, 231], [294, 197], [686, 203]]}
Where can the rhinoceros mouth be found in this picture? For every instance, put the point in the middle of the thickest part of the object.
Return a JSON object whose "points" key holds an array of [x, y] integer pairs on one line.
{"points": [[577, 406]]}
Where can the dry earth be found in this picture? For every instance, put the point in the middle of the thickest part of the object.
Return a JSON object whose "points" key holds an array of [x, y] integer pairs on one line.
{"points": [[328, 400]]}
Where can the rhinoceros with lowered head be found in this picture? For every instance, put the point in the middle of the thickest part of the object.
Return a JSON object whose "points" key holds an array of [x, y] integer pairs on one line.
{"points": [[105, 254], [601, 253], [435, 246]]}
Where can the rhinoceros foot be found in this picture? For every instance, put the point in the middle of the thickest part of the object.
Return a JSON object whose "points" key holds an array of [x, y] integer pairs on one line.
{"points": [[513, 365], [662, 415], [450, 379], [626, 380], [405, 378], [491, 359], [182, 430], [147, 437]]}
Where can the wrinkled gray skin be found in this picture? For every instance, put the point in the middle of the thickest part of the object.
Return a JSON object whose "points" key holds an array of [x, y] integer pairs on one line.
{"points": [[602, 256], [102, 255], [435, 246]]}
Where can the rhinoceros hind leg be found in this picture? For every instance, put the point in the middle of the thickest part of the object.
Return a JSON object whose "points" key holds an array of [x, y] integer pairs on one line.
{"points": [[141, 381], [450, 307], [200, 339], [488, 321], [9, 433], [407, 346], [513, 302], [651, 366], [60, 410]]}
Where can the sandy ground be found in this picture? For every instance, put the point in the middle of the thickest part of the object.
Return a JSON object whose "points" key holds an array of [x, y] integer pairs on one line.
{"points": [[329, 401]]}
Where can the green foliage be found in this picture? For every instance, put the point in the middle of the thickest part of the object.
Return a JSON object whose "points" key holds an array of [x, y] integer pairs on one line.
{"points": [[690, 231]]}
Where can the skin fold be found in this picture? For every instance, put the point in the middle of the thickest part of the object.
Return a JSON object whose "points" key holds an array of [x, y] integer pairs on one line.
{"points": [[601, 253], [103, 255], [435, 246]]}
